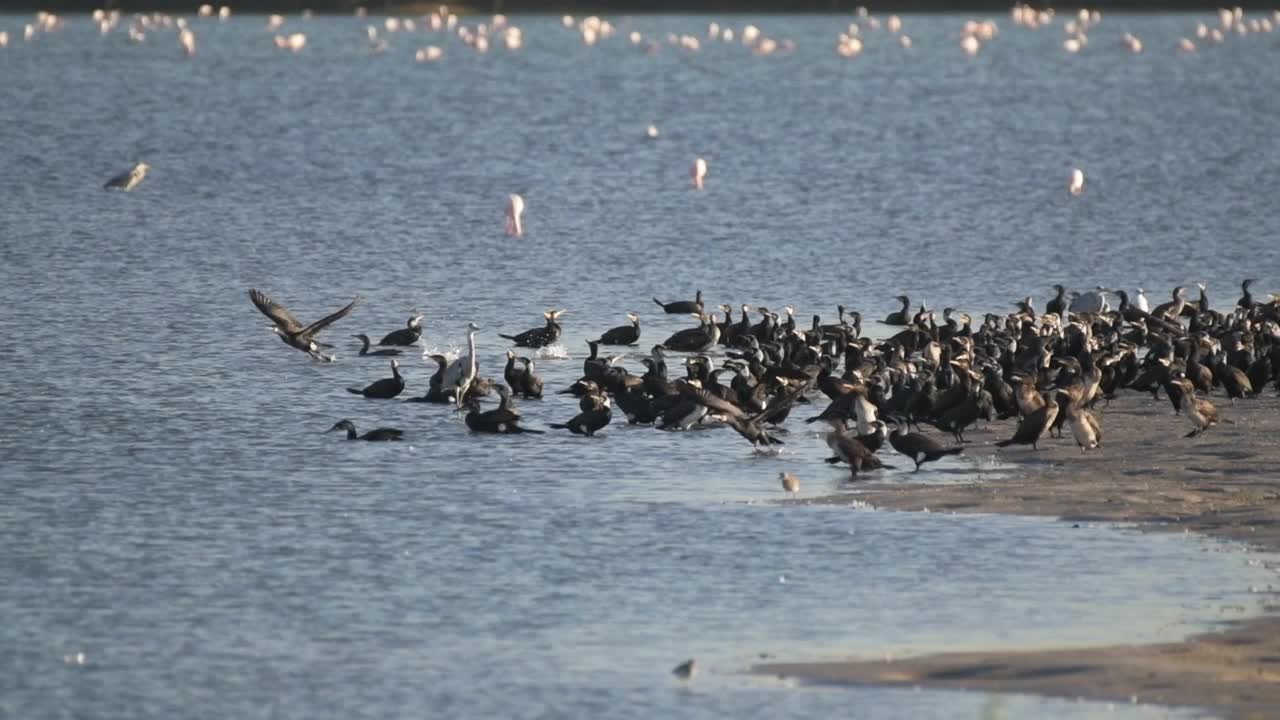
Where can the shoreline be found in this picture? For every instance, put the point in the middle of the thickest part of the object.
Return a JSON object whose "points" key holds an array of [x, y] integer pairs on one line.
{"points": [[1223, 484]]}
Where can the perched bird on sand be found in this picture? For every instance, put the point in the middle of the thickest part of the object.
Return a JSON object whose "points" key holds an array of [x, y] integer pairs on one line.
{"points": [[790, 483], [129, 180]]}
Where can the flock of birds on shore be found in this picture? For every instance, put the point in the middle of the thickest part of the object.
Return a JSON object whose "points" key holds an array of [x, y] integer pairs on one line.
{"points": [[1051, 370], [497, 31]]}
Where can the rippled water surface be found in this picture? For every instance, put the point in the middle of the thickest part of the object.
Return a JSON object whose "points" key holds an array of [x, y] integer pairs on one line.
{"points": [[174, 511]]}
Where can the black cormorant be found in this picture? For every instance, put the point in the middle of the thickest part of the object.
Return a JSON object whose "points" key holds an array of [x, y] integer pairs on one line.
{"points": [[365, 352], [539, 337], [383, 389], [623, 334], [683, 307], [380, 434]]}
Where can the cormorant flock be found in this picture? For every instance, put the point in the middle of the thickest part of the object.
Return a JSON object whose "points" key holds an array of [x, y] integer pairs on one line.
{"points": [[918, 391]]}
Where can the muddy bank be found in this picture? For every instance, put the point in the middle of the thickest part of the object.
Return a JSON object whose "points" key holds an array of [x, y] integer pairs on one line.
{"points": [[1225, 483]]}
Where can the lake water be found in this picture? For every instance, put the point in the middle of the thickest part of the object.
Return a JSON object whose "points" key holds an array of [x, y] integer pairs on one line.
{"points": [[174, 511]]}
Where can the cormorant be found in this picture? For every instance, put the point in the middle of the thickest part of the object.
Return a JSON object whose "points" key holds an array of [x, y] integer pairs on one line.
{"points": [[532, 381], [1246, 301], [1172, 310], [699, 339], [623, 334], [129, 179], [383, 389], [364, 348], [682, 307], [515, 374], [920, 448], [503, 419], [901, 317], [437, 392], [1033, 426], [1201, 413], [291, 330], [539, 337], [591, 419], [405, 336], [378, 435], [850, 450], [1058, 305]]}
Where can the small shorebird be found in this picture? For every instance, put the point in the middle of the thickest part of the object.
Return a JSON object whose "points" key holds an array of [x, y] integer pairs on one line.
{"points": [[790, 483]]}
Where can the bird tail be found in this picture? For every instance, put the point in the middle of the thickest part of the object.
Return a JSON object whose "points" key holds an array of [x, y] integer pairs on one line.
{"points": [[559, 426], [508, 337], [957, 450], [355, 391], [528, 430], [659, 302], [1004, 443]]}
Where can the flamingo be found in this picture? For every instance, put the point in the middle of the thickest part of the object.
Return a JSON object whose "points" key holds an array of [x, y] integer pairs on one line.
{"points": [[1077, 181], [515, 209]]}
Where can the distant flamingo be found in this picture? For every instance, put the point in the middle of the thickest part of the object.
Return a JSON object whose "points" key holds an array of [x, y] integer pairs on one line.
{"points": [[1077, 181], [699, 172], [515, 209]]}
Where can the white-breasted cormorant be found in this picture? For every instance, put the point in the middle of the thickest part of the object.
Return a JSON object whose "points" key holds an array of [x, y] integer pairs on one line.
{"points": [[623, 334], [682, 307], [383, 389], [539, 337], [291, 330], [129, 179], [377, 435], [405, 336], [366, 352]]}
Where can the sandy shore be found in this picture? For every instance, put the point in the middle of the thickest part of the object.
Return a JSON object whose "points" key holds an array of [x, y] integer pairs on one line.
{"points": [[1225, 483]]}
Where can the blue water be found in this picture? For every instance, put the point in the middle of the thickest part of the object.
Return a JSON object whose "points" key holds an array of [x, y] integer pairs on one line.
{"points": [[174, 511]]}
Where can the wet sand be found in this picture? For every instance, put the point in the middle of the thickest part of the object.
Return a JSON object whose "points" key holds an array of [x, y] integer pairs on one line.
{"points": [[1225, 483]]}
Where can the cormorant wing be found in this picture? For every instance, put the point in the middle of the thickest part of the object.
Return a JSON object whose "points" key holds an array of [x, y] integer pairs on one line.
{"points": [[711, 401], [278, 313], [328, 320], [779, 404]]}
